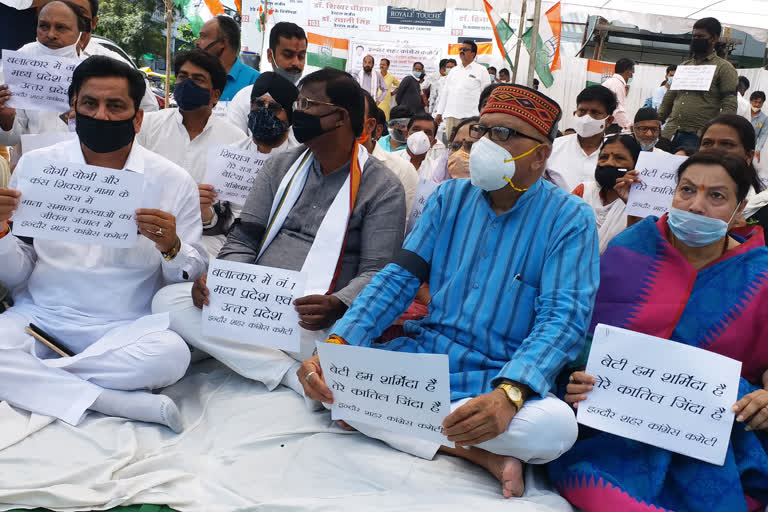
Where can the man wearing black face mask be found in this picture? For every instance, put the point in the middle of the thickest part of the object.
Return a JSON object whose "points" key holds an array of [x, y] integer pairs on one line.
{"points": [[94, 299], [340, 244], [689, 111], [184, 135], [220, 37]]}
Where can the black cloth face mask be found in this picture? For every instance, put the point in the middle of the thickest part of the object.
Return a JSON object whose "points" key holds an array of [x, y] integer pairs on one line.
{"points": [[307, 127], [102, 136], [699, 46], [606, 176]]}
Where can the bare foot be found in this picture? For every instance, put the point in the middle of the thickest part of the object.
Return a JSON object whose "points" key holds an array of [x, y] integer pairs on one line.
{"points": [[507, 470]]}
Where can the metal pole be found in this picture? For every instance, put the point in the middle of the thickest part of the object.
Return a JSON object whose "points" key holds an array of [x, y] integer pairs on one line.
{"points": [[534, 42], [519, 38], [168, 21]]}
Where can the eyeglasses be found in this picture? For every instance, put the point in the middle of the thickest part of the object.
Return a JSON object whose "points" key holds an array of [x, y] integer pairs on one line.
{"points": [[398, 123], [273, 106], [497, 133], [462, 50], [303, 103], [455, 146], [647, 129]]}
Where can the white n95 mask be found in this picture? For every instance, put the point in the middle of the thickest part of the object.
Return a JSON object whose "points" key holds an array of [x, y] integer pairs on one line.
{"points": [[67, 51], [586, 126], [418, 143], [492, 167]]}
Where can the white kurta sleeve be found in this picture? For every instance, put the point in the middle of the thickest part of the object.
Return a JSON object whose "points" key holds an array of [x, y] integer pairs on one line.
{"points": [[17, 260], [239, 108], [20, 126], [192, 259]]}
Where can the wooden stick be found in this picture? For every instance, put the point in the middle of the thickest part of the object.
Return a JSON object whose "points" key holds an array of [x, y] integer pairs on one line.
{"points": [[46, 342]]}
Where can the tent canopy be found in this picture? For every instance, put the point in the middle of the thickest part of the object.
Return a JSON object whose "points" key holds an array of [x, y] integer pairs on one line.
{"points": [[667, 16]]}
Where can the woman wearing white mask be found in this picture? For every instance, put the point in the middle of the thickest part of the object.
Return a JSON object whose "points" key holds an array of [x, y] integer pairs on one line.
{"points": [[59, 29], [574, 157], [690, 277]]}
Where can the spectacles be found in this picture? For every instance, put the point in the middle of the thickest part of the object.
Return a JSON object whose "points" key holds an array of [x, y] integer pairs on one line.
{"points": [[455, 146], [497, 133], [462, 50], [398, 123], [647, 129], [273, 106], [303, 103]]}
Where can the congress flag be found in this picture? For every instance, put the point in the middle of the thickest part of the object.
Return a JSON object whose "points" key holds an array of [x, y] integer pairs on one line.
{"points": [[548, 45], [198, 12], [599, 71], [327, 52], [505, 36]]}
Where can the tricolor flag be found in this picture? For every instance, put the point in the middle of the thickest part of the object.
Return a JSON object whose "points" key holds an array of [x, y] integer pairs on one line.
{"points": [[327, 52], [505, 36], [548, 46], [599, 71], [484, 52], [198, 12]]}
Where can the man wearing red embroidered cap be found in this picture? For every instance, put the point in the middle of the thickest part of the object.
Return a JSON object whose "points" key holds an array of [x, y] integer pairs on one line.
{"points": [[512, 266]]}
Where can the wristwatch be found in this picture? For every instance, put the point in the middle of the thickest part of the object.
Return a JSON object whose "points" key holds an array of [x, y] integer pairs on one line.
{"points": [[170, 255], [514, 394]]}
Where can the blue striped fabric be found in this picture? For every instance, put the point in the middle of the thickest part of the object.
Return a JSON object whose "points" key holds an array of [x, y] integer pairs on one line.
{"points": [[512, 295]]}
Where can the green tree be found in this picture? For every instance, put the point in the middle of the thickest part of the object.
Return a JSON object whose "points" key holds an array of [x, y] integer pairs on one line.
{"points": [[187, 37], [129, 23]]}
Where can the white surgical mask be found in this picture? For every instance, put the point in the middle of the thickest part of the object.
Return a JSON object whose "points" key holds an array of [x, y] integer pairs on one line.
{"points": [[291, 77], [67, 51], [756, 109], [586, 126], [418, 143], [492, 167]]}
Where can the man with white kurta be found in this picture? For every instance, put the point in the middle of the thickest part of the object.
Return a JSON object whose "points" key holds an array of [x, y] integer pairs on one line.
{"points": [[371, 80], [96, 300], [184, 135], [326, 208]]}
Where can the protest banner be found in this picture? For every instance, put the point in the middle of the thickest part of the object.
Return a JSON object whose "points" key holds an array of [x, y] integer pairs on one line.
{"points": [[253, 304], [400, 392], [654, 194], [401, 56], [38, 82], [232, 171], [661, 392], [693, 78], [77, 202]]}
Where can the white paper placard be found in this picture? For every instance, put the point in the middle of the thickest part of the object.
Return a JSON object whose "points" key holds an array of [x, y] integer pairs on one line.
{"points": [[231, 172], [77, 202], [693, 78], [654, 194], [661, 392], [397, 391], [38, 82], [253, 304], [423, 191], [33, 141]]}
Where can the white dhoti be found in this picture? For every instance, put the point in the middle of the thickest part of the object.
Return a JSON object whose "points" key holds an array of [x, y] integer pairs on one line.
{"points": [[139, 355], [266, 365], [543, 430]]}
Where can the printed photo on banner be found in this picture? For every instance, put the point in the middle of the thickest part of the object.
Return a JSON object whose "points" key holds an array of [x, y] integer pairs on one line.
{"points": [[253, 304], [660, 392], [397, 391], [76, 202]]}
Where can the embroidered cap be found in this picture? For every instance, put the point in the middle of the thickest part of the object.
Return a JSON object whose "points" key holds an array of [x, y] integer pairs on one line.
{"points": [[533, 107]]}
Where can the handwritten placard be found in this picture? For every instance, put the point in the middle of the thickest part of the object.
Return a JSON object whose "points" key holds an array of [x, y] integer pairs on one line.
{"points": [[400, 392], [77, 202], [231, 172], [654, 194], [661, 392], [693, 78], [253, 304], [423, 190], [38, 82]]}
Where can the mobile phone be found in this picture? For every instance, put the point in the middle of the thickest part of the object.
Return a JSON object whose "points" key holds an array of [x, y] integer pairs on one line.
{"points": [[50, 339]]}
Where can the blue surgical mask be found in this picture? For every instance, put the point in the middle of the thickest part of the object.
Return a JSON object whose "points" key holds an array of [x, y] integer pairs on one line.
{"points": [[669, 81], [492, 167], [417, 74], [647, 148], [696, 230]]}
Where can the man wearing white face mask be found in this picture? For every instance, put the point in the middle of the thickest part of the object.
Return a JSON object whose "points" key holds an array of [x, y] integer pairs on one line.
{"points": [[59, 29], [574, 157], [512, 266], [421, 140]]}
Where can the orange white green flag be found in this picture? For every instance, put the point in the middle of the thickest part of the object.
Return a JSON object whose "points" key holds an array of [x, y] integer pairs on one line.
{"points": [[548, 45], [599, 71], [502, 32], [327, 52]]}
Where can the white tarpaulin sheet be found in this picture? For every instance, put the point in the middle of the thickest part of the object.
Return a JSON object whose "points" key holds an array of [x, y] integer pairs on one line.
{"points": [[243, 448]]}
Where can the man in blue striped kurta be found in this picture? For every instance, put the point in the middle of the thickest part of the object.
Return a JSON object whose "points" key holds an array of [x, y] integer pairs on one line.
{"points": [[512, 266]]}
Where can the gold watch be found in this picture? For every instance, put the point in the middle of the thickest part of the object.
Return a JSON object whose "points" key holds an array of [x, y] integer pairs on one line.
{"points": [[170, 255], [514, 394]]}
